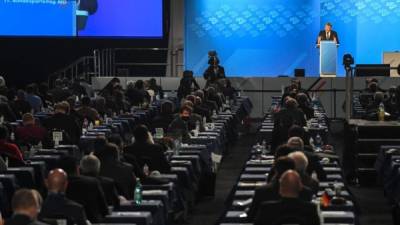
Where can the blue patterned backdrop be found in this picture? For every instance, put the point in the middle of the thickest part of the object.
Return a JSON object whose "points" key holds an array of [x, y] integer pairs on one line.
{"points": [[272, 37]]}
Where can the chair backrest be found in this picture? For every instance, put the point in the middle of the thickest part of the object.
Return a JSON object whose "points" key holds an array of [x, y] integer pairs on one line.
{"points": [[25, 176]]}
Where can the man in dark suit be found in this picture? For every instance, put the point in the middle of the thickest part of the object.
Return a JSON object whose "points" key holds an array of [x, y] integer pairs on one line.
{"points": [[270, 192], [288, 116], [26, 206], [327, 35], [57, 205], [314, 164], [301, 163], [179, 127], [90, 166], [290, 209], [121, 173], [61, 120], [146, 152], [87, 191]]}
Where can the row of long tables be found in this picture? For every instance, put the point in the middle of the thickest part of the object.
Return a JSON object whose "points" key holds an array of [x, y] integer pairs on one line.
{"points": [[196, 161], [258, 167]]}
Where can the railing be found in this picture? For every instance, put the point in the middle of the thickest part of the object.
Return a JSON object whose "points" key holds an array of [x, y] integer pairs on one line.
{"points": [[110, 62]]}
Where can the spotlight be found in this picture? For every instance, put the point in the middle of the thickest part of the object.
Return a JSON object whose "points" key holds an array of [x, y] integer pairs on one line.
{"points": [[348, 60]]}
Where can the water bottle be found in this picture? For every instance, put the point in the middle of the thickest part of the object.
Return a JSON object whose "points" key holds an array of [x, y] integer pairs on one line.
{"points": [[90, 126], [146, 170], [381, 112], [198, 126], [318, 142], [138, 192], [204, 120]]}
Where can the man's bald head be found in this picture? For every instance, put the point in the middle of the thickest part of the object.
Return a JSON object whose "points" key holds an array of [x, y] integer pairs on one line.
{"points": [[290, 184], [57, 181]]}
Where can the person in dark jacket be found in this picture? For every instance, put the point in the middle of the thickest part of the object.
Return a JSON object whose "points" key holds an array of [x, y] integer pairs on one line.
{"points": [[57, 205], [284, 119], [61, 120], [90, 166], [20, 105], [187, 84], [166, 116], [179, 127], [290, 209], [304, 105], [147, 152], [136, 93], [121, 173], [86, 191], [26, 204], [270, 192]]}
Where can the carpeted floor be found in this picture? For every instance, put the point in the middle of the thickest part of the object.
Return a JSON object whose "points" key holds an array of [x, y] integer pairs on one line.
{"points": [[208, 211]]}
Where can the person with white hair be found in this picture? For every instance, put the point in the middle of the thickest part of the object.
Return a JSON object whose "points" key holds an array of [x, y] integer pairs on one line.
{"points": [[90, 166], [301, 163], [296, 143]]}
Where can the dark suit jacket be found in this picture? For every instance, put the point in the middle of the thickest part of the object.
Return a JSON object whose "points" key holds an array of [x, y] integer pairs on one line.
{"points": [[150, 154], [210, 73], [121, 173], [64, 122], [109, 189], [179, 127], [57, 205], [314, 165], [19, 219], [278, 212], [284, 119], [270, 192], [333, 35], [88, 192], [162, 121]]}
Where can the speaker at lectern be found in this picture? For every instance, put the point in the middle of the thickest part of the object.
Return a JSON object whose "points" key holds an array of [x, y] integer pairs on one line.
{"points": [[327, 58]]}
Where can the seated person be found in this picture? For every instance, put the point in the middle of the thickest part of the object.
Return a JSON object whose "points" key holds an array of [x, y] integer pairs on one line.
{"points": [[34, 100], [290, 209], [136, 93], [147, 152], [304, 105], [301, 164], [90, 166], [26, 204], [166, 116], [57, 205], [30, 132], [84, 190], [20, 105], [179, 127], [290, 115], [9, 150], [86, 111], [121, 173], [270, 192], [229, 91], [194, 117], [187, 84], [198, 106], [156, 88], [61, 120], [314, 165]]}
